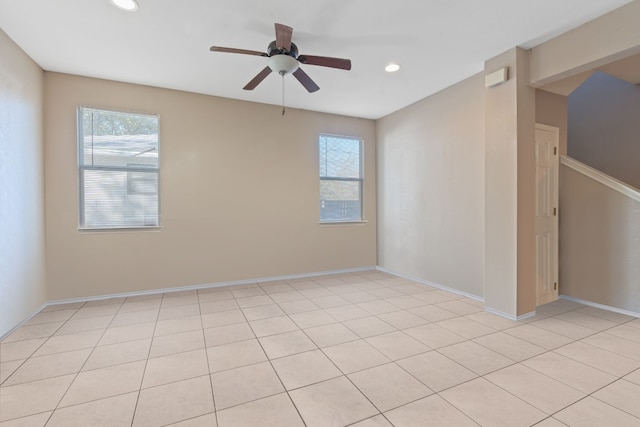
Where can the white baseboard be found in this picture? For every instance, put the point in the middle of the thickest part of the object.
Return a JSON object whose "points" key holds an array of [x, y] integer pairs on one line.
{"points": [[509, 316], [302, 276], [211, 285], [186, 288], [12, 330], [601, 306], [459, 292], [433, 284]]}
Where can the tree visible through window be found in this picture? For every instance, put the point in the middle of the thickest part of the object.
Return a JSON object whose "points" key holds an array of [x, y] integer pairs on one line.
{"points": [[118, 169], [340, 178]]}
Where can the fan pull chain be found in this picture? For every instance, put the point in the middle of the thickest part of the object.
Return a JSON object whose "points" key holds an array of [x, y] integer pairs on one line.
{"points": [[282, 73]]}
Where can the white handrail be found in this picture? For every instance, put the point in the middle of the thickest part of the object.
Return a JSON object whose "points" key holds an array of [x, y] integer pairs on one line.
{"points": [[602, 178]]}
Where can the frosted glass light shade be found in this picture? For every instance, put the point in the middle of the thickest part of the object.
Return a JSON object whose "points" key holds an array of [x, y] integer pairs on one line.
{"points": [[283, 64]]}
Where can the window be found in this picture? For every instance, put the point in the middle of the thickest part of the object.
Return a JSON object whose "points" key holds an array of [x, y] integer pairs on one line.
{"points": [[340, 178], [118, 169]]}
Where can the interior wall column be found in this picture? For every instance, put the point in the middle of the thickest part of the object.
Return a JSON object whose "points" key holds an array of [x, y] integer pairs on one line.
{"points": [[510, 188]]}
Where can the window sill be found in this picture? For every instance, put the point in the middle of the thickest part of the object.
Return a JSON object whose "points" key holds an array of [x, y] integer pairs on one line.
{"points": [[119, 229], [343, 223]]}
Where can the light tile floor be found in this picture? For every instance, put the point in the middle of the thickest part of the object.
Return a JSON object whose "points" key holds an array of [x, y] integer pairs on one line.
{"points": [[366, 349]]}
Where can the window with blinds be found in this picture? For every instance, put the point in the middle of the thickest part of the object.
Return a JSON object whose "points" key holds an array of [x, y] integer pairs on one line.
{"points": [[118, 168], [340, 178]]}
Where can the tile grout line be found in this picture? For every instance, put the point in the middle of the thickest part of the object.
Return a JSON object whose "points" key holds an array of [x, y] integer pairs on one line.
{"points": [[32, 353], [573, 340], [206, 353], [390, 361], [343, 374], [548, 351], [83, 364], [482, 376], [46, 339], [542, 373], [146, 362], [273, 367]]}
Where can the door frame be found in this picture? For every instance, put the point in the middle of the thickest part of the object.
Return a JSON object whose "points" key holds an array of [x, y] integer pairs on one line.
{"points": [[556, 202]]}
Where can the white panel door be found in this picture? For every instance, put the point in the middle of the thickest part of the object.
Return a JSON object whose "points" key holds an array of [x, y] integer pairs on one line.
{"points": [[547, 166]]}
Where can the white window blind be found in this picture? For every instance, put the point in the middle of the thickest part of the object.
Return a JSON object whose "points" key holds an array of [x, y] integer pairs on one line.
{"points": [[340, 178], [118, 167]]}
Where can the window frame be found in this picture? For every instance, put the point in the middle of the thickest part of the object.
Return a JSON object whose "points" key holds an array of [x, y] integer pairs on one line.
{"points": [[82, 167], [360, 180]]}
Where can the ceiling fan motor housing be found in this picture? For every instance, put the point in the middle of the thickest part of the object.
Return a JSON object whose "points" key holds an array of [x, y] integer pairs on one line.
{"points": [[273, 49]]}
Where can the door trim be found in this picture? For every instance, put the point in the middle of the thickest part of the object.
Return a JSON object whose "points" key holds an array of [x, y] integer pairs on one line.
{"points": [[556, 135]]}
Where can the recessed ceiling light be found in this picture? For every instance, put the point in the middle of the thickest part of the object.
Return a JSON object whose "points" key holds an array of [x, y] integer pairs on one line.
{"points": [[130, 5], [392, 68]]}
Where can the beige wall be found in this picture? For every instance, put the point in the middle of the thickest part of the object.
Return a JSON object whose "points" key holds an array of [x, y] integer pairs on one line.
{"points": [[22, 236], [239, 184], [604, 130], [551, 109], [598, 263], [608, 38], [600, 242], [239, 194], [431, 188]]}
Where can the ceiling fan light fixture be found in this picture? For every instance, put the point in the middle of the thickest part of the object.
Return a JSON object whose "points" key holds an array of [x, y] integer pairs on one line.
{"points": [[284, 59], [392, 68], [129, 5], [283, 64]]}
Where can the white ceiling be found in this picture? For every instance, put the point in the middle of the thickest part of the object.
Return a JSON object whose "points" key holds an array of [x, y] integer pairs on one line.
{"points": [[166, 43]]}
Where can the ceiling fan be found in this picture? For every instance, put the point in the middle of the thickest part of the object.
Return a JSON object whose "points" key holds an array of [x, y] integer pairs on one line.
{"points": [[284, 59]]}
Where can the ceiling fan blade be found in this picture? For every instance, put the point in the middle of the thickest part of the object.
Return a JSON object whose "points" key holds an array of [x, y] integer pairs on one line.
{"points": [[233, 50], [325, 61], [257, 79], [306, 81], [283, 37]]}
